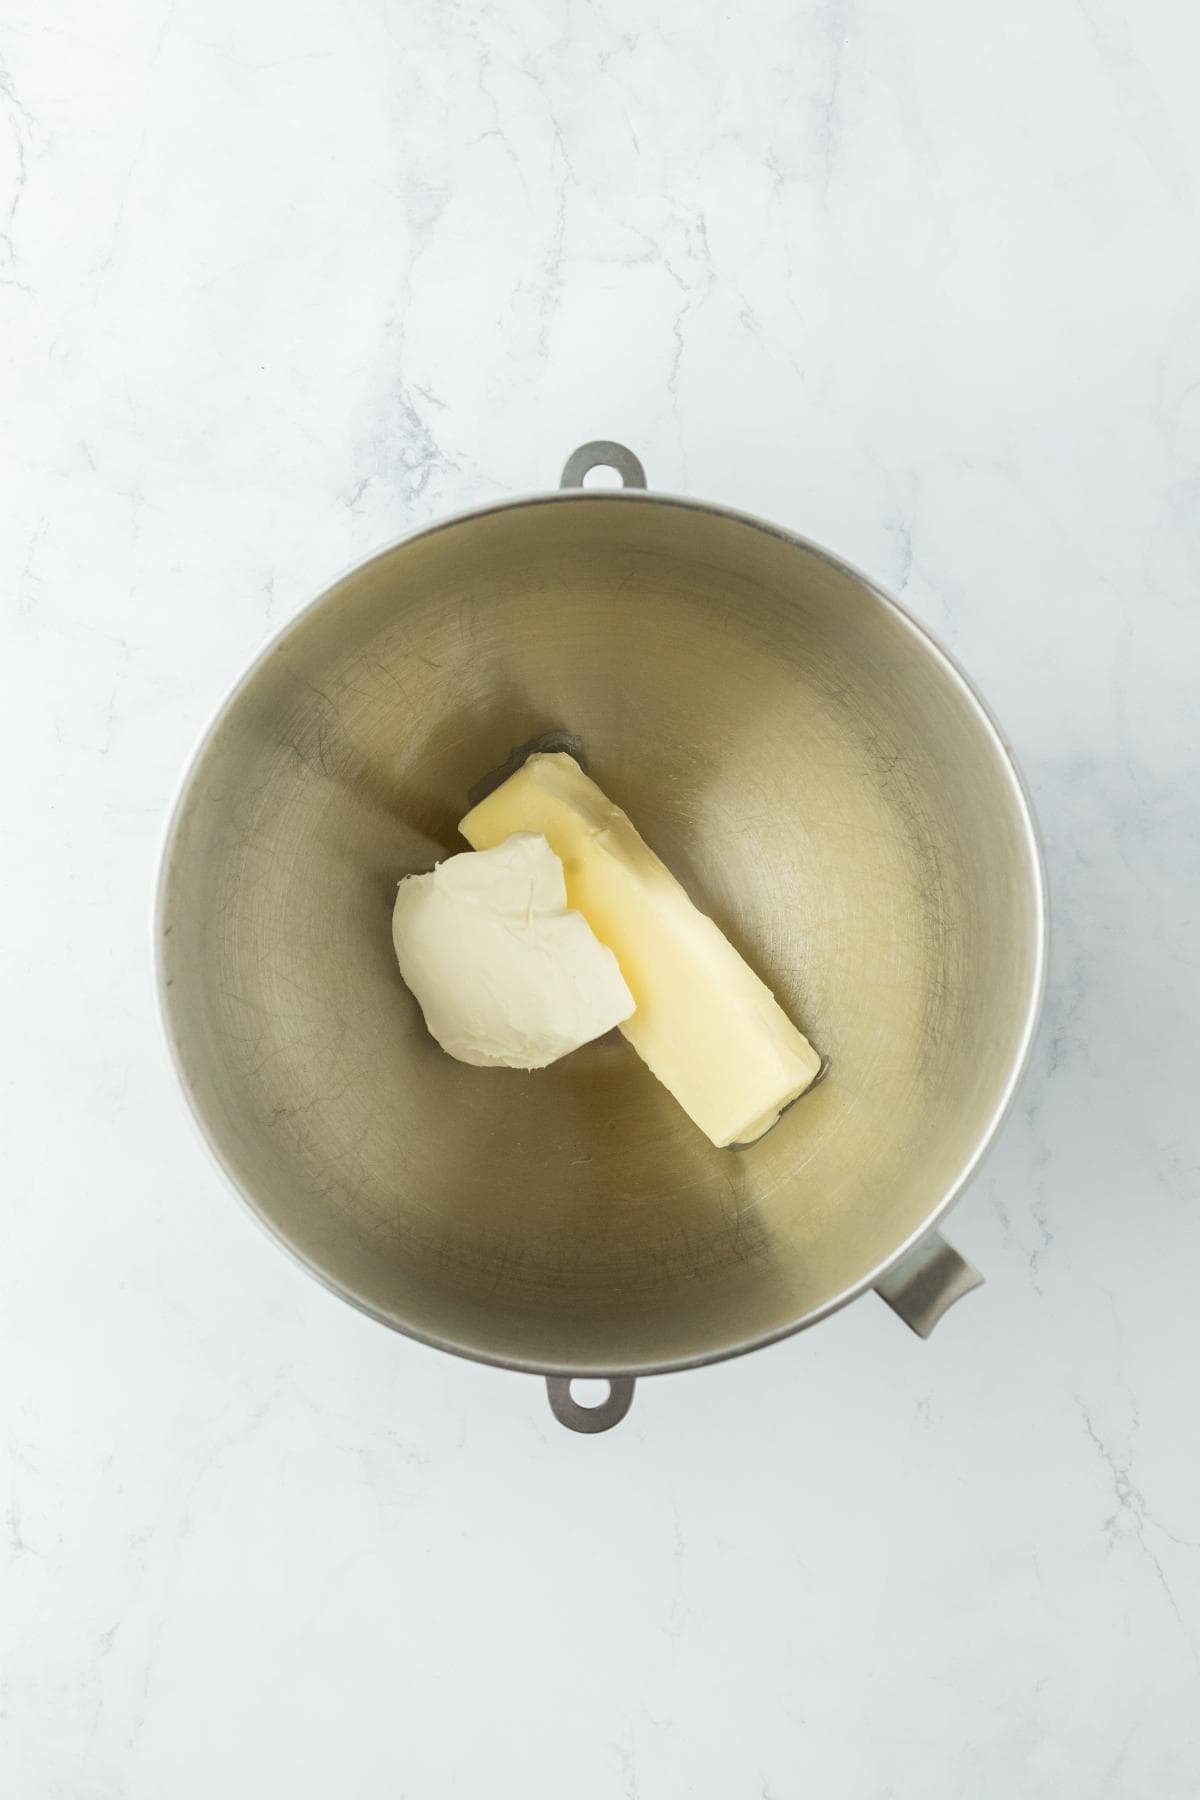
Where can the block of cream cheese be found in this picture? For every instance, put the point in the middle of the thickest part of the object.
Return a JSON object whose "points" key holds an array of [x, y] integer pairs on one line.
{"points": [[504, 973], [706, 1025]]}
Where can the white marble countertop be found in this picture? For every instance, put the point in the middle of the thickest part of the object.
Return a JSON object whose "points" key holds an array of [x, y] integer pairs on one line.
{"points": [[279, 283]]}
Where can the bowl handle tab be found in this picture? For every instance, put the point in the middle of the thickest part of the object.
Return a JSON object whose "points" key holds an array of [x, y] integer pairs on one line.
{"points": [[568, 1411], [602, 454], [926, 1282]]}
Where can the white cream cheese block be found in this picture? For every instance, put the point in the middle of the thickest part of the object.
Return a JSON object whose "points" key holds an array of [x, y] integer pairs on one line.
{"points": [[504, 972], [705, 1024]]}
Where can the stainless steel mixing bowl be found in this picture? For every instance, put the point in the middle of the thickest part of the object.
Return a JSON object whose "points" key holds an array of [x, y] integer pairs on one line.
{"points": [[820, 776]]}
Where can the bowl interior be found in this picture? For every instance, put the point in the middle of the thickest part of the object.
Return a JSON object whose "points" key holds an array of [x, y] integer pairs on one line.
{"points": [[802, 757]]}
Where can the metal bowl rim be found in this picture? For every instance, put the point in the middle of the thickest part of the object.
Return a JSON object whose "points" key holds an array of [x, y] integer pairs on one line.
{"points": [[623, 497]]}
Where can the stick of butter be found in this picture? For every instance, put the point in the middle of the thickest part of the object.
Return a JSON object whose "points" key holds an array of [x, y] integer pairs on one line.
{"points": [[705, 1024]]}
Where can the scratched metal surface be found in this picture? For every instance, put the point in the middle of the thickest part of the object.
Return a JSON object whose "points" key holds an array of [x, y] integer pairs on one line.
{"points": [[809, 766]]}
